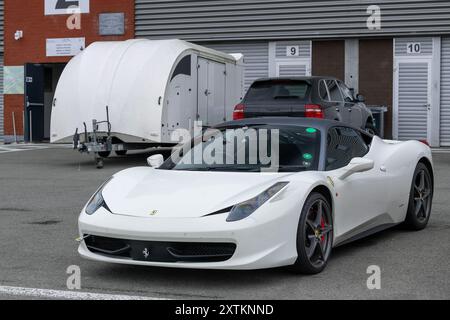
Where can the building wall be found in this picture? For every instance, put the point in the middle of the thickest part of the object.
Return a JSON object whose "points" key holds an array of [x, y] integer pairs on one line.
{"points": [[1, 68], [199, 20], [28, 16], [328, 58]]}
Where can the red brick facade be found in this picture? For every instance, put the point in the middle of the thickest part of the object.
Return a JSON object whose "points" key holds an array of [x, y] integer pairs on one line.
{"points": [[28, 15]]}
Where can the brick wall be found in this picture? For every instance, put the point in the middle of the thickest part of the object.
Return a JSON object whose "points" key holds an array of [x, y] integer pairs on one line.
{"points": [[375, 76], [28, 15], [328, 58]]}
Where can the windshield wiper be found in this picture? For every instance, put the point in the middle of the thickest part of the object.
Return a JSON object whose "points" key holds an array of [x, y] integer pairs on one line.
{"points": [[193, 169], [295, 166], [237, 168]]}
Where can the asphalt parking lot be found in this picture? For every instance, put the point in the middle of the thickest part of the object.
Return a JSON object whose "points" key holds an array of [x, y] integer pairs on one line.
{"points": [[43, 190]]}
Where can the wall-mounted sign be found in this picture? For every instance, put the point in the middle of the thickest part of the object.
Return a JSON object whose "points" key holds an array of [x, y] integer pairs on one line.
{"points": [[66, 6], [65, 47], [13, 79], [292, 51], [112, 24], [413, 48]]}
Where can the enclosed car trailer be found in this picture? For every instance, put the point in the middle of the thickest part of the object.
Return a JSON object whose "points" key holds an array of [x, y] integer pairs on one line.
{"points": [[130, 95]]}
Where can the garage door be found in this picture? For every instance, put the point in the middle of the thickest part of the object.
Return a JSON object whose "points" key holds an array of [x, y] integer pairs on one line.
{"points": [[412, 99], [412, 88], [292, 58], [256, 58], [445, 93], [285, 69]]}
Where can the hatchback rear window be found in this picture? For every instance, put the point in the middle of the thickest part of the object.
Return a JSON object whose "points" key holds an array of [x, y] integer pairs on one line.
{"points": [[278, 90]]}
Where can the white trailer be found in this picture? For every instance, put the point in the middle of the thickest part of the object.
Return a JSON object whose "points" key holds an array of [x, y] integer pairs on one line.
{"points": [[119, 96]]}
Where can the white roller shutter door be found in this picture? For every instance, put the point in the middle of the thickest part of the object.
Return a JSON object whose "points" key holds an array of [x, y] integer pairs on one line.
{"points": [[445, 93]]}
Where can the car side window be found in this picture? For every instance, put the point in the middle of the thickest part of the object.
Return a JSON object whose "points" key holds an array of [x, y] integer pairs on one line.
{"points": [[335, 92], [343, 144], [323, 91], [346, 92]]}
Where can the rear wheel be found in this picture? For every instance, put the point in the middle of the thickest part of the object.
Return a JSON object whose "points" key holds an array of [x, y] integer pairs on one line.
{"points": [[314, 235], [420, 198]]}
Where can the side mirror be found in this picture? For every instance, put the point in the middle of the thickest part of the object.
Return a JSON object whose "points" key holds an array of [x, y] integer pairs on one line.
{"points": [[360, 98], [356, 165], [155, 161]]}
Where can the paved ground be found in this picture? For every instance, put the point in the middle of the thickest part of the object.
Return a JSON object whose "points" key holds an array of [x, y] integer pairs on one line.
{"points": [[42, 191]]}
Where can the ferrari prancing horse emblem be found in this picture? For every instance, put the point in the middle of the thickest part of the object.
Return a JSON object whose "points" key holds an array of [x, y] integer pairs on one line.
{"points": [[153, 212]]}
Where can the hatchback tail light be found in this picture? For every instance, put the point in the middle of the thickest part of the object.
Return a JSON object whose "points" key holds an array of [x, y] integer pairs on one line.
{"points": [[314, 111], [238, 112], [424, 142]]}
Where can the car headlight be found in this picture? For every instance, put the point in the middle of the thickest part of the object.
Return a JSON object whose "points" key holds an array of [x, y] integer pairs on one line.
{"points": [[97, 200], [246, 208]]}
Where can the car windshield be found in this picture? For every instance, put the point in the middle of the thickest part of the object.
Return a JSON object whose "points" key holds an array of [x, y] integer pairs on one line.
{"points": [[249, 149], [277, 90]]}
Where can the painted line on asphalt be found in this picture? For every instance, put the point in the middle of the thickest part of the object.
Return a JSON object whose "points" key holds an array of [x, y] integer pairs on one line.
{"points": [[18, 149], [67, 295]]}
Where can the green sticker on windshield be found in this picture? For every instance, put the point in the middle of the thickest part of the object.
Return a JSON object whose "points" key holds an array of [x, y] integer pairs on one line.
{"points": [[311, 130], [307, 156]]}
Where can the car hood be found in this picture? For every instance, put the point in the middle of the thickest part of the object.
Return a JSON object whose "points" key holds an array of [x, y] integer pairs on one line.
{"points": [[148, 192]]}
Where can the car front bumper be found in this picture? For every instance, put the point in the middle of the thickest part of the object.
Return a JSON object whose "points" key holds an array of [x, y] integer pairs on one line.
{"points": [[260, 243]]}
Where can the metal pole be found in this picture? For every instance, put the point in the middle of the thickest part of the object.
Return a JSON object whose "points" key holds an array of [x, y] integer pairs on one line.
{"points": [[14, 126], [23, 125], [31, 127]]}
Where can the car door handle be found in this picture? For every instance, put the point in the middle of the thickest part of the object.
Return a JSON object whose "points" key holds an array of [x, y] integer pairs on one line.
{"points": [[349, 109], [383, 169], [337, 109]]}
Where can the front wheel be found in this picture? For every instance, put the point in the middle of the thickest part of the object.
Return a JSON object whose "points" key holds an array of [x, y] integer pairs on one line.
{"points": [[420, 198], [314, 235]]}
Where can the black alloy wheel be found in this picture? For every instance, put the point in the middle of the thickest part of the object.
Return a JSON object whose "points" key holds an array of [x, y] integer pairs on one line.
{"points": [[314, 235]]}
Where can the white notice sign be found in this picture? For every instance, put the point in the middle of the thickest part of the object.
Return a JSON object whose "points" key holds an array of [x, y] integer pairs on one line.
{"points": [[65, 47], [66, 6]]}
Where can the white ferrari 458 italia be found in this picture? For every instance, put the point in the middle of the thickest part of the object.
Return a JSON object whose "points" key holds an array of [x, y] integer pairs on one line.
{"points": [[326, 184]]}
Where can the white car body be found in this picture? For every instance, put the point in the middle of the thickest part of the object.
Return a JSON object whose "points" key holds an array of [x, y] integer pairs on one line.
{"points": [[168, 205]]}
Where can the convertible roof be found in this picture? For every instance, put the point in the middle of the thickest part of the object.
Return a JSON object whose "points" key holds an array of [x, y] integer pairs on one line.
{"points": [[321, 124], [304, 78]]}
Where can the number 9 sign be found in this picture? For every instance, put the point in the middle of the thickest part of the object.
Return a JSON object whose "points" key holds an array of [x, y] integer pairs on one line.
{"points": [[292, 51]]}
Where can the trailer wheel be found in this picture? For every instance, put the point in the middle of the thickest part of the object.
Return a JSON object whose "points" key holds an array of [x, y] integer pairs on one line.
{"points": [[121, 152], [104, 154]]}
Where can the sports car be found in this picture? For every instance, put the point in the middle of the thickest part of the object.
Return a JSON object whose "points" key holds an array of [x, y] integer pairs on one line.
{"points": [[319, 184]]}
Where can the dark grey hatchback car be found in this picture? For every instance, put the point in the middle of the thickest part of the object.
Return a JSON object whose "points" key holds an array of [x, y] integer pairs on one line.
{"points": [[312, 97]]}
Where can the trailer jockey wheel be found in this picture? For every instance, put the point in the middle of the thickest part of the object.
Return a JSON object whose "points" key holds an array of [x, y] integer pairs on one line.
{"points": [[99, 162]]}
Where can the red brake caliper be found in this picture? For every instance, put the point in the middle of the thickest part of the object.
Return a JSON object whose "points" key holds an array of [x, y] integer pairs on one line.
{"points": [[322, 226]]}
